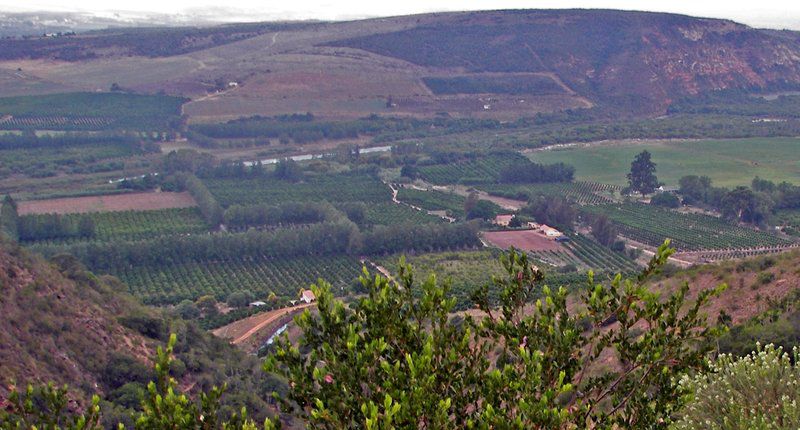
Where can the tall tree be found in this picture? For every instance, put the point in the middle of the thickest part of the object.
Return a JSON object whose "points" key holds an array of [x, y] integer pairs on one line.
{"points": [[470, 202], [552, 210], [603, 230], [742, 204], [694, 189], [642, 177], [9, 219]]}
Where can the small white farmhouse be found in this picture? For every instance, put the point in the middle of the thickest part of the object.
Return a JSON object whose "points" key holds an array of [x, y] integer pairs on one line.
{"points": [[307, 296]]}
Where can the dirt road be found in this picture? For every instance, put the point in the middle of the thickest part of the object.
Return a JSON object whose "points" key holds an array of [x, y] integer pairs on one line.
{"points": [[242, 330]]}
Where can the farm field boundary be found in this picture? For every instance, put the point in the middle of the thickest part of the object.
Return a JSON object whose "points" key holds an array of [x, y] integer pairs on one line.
{"points": [[108, 203]]}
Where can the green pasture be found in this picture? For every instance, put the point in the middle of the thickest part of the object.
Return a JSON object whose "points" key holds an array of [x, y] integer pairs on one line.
{"points": [[728, 162]]}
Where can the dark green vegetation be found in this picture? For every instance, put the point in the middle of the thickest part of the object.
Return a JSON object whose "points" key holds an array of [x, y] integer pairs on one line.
{"points": [[642, 177], [650, 225], [468, 269], [755, 204], [90, 111], [588, 254], [393, 214], [511, 84], [789, 220], [70, 153], [740, 103], [433, 200], [464, 270], [276, 239]]}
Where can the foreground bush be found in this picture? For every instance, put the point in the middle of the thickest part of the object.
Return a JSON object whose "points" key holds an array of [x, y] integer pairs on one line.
{"points": [[758, 391], [398, 359]]}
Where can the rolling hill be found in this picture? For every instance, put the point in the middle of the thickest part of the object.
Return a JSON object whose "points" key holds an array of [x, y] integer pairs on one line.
{"points": [[503, 64]]}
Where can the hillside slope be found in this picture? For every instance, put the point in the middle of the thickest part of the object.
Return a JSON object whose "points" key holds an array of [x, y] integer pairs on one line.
{"points": [[60, 329], [63, 324], [621, 58]]}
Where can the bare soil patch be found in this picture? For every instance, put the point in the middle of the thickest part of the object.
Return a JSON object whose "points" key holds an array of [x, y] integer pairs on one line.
{"points": [[526, 240], [110, 203]]}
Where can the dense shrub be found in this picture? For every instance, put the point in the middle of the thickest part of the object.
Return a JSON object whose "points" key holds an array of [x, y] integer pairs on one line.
{"points": [[758, 391], [667, 200]]}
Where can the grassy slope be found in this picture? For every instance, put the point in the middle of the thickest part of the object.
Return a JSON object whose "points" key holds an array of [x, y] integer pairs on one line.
{"points": [[727, 162]]}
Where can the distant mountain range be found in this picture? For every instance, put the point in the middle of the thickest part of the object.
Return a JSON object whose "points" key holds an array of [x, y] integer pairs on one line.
{"points": [[19, 24]]}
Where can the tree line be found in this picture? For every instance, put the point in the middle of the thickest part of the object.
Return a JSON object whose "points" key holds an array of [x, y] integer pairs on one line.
{"points": [[55, 226], [306, 128], [29, 139], [754, 204], [326, 238], [9, 218], [42, 226], [206, 202]]}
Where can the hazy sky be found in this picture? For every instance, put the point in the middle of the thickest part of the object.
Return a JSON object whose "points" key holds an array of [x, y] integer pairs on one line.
{"points": [[761, 13]]}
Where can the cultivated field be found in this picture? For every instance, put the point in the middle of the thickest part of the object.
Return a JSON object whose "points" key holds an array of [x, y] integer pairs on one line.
{"points": [[728, 162], [171, 283], [526, 240], [335, 188], [651, 225], [118, 202], [135, 225]]}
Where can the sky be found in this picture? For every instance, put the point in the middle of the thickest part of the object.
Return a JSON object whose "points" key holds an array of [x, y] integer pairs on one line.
{"points": [[761, 13]]}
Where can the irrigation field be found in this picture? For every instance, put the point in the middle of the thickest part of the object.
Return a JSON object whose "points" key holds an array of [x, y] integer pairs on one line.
{"points": [[580, 192], [393, 213], [689, 232], [333, 188], [173, 282], [138, 225], [483, 169], [433, 200]]}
